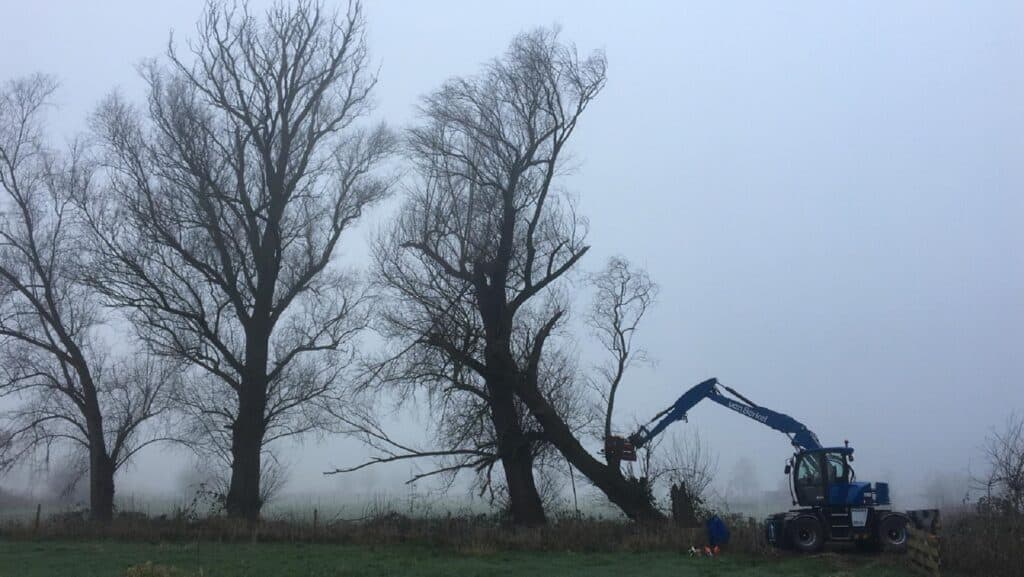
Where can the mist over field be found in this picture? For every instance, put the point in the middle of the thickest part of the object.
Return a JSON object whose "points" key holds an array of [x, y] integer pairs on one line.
{"points": [[829, 196]]}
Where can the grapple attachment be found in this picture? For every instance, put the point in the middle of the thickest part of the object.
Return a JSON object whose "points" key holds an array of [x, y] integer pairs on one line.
{"points": [[618, 447]]}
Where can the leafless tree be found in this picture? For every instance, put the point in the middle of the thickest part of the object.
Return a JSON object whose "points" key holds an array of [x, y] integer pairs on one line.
{"points": [[477, 254], [69, 392], [689, 467], [689, 459], [623, 295], [226, 197], [474, 250], [1004, 452]]}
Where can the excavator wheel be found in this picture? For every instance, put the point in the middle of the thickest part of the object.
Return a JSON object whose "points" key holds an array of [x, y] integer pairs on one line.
{"points": [[892, 534], [806, 535]]}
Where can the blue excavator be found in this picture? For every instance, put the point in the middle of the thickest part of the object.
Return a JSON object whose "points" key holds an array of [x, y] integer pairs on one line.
{"points": [[829, 503]]}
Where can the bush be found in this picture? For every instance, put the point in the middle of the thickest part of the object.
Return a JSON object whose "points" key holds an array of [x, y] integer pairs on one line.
{"points": [[468, 533], [987, 542]]}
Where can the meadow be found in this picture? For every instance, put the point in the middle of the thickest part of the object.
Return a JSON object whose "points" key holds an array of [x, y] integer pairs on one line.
{"points": [[383, 541], [120, 559]]}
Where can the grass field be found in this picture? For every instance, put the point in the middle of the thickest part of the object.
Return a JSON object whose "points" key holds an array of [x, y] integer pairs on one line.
{"points": [[109, 559]]}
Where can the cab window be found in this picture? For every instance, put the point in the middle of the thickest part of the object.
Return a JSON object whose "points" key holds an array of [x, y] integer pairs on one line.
{"points": [[808, 472], [835, 468]]}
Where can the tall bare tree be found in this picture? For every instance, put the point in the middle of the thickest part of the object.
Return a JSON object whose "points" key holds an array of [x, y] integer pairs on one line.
{"points": [[69, 392], [479, 243], [228, 194], [623, 294], [478, 252]]}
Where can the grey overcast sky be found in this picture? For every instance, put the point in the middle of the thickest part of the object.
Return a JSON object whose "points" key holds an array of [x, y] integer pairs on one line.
{"points": [[830, 195]]}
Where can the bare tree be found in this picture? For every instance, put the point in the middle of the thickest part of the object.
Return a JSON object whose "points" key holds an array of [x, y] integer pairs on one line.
{"points": [[623, 296], [1004, 452], [478, 252], [227, 196], [475, 250], [690, 460], [689, 467], [69, 392]]}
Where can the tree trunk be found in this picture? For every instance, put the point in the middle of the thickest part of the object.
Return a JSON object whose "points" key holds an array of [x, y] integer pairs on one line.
{"points": [[101, 466], [524, 500], [525, 504], [630, 496], [684, 511], [101, 483], [244, 499]]}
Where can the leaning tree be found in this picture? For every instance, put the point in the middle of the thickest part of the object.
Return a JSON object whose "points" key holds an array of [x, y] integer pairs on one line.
{"points": [[423, 368], [479, 253], [225, 199], [68, 391]]}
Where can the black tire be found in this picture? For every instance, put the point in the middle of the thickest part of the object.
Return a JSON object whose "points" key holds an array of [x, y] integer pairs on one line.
{"points": [[806, 535], [892, 534]]}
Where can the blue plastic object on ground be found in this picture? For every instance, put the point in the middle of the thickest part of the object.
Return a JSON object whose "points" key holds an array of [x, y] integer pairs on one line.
{"points": [[718, 533]]}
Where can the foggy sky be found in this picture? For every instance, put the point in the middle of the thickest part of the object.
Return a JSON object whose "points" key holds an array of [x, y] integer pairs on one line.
{"points": [[828, 193]]}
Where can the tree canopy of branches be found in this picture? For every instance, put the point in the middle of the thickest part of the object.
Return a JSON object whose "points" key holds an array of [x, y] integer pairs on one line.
{"points": [[1004, 453], [225, 199], [68, 390], [478, 244], [623, 296], [477, 254]]}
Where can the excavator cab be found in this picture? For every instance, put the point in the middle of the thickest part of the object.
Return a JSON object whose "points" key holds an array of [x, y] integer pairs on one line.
{"points": [[821, 476], [825, 478]]}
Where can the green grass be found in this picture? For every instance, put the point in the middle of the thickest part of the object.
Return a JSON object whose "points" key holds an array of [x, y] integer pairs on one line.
{"points": [[109, 559]]}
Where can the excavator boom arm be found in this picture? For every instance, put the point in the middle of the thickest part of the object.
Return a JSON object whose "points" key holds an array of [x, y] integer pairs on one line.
{"points": [[797, 432]]}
